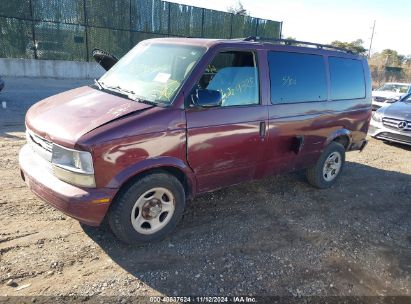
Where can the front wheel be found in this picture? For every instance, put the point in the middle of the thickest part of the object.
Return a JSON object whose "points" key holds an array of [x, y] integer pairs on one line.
{"points": [[147, 210], [328, 167]]}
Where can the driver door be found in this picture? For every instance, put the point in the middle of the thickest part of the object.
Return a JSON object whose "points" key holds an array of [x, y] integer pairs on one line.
{"points": [[225, 143]]}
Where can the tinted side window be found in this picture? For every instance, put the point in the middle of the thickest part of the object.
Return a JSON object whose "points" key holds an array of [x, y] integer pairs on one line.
{"points": [[297, 77], [347, 78]]}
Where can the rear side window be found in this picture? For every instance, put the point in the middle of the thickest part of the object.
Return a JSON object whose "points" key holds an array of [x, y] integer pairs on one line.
{"points": [[347, 78], [297, 77]]}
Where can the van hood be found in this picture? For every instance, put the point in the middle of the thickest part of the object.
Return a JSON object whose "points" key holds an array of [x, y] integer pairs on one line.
{"points": [[65, 117], [399, 110]]}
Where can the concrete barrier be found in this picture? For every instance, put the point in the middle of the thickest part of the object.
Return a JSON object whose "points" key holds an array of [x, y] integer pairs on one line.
{"points": [[49, 68]]}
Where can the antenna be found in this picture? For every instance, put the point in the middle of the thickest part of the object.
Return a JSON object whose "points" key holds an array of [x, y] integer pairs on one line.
{"points": [[372, 37]]}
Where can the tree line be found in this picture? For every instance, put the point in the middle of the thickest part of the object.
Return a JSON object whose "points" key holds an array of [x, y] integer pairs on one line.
{"points": [[386, 66]]}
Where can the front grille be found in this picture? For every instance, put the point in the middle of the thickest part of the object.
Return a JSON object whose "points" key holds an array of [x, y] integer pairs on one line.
{"points": [[395, 137], [39, 145], [397, 124]]}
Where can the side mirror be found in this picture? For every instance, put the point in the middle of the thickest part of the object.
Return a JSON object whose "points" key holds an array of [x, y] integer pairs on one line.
{"points": [[206, 98], [105, 59]]}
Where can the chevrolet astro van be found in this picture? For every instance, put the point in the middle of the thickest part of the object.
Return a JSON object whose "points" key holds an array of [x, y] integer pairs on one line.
{"points": [[176, 117]]}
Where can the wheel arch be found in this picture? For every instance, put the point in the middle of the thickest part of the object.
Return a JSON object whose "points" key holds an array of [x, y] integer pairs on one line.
{"points": [[167, 165], [341, 136]]}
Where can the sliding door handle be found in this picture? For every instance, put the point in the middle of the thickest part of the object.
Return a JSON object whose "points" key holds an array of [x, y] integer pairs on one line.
{"points": [[262, 129]]}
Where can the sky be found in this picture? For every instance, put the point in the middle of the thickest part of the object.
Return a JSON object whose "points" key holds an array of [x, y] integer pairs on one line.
{"points": [[324, 21]]}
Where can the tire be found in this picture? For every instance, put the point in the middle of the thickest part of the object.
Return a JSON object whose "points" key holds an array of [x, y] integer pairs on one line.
{"points": [[147, 210], [318, 175]]}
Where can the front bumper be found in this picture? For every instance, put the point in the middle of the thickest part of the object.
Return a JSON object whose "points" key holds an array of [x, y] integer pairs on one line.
{"points": [[82, 204], [379, 131]]}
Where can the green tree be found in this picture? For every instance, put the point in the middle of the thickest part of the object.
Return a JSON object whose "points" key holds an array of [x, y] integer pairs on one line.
{"points": [[392, 58], [355, 46], [380, 64], [407, 61], [237, 9]]}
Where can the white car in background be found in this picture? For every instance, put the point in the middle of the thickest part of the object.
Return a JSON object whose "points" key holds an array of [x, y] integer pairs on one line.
{"points": [[389, 93], [393, 122]]}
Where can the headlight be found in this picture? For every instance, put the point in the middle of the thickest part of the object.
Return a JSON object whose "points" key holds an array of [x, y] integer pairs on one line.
{"points": [[72, 166], [377, 116]]}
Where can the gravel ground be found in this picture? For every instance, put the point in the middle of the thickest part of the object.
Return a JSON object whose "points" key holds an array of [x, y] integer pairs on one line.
{"points": [[277, 236]]}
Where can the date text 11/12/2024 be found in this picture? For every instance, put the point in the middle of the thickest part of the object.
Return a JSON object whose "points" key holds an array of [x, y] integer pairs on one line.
{"points": [[199, 299]]}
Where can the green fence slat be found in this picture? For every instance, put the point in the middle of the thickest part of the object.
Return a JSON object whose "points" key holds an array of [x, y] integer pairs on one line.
{"points": [[185, 20], [116, 42], [149, 16], [15, 38], [108, 13], [66, 11], [58, 41], [68, 29], [216, 24], [15, 8], [244, 26], [268, 29]]}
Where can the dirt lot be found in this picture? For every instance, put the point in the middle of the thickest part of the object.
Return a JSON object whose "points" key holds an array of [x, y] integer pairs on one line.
{"points": [[278, 236]]}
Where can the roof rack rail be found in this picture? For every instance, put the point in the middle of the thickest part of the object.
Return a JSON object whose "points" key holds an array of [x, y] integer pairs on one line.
{"points": [[291, 42]]}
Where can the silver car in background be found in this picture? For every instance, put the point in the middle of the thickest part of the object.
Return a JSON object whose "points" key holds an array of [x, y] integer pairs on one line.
{"points": [[393, 122]]}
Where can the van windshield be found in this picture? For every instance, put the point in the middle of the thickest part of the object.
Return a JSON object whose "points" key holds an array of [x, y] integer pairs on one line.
{"points": [[393, 87], [152, 72]]}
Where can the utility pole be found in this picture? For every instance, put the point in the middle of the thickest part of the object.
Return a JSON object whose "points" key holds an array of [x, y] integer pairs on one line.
{"points": [[372, 37]]}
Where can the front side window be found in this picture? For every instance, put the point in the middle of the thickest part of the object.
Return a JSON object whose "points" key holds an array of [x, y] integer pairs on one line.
{"points": [[235, 75], [347, 78], [297, 77], [153, 71]]}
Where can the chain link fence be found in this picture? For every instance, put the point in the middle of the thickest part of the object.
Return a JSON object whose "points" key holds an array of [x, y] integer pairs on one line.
{"points": [[70, 29]]}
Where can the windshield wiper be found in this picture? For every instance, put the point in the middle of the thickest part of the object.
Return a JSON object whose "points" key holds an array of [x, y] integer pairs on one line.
{"points": [[124, 90], [131, 95], [117, 89], [120, 90], [134, 97], [98, 83]]}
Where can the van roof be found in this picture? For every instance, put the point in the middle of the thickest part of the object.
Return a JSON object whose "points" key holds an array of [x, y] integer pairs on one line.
{"points": [[290, 45]]}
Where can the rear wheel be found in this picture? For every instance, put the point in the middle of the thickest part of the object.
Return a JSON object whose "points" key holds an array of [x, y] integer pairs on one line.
{"points": [[328, 167], [148, 210]]}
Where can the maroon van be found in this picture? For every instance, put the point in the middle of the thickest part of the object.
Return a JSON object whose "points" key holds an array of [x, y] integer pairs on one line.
{"points": [[178, 117]]}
